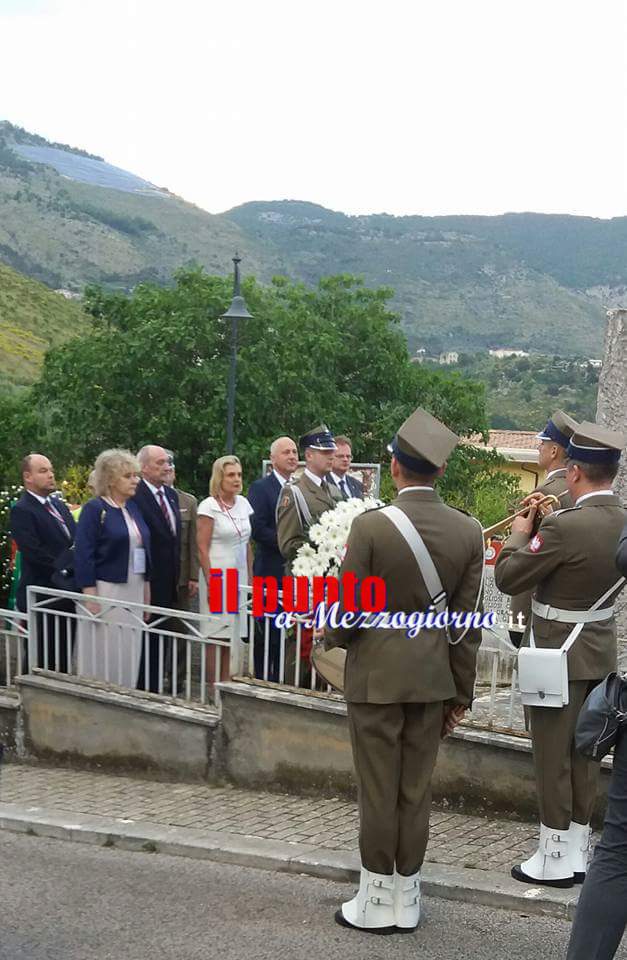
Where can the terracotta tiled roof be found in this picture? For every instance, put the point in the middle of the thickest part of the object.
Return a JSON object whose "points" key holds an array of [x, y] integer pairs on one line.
{"points": [[507, 439]]}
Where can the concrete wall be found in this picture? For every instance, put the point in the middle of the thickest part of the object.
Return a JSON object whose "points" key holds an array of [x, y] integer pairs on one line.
{"points": [[266, 738], [278, 740], [9, 724], [82, 722]]}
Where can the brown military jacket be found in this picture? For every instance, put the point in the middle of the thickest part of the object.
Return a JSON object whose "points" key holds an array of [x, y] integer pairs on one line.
{"points": [[570, 564], [188, 505], [291, 534], [556, 485], [384, 665]]}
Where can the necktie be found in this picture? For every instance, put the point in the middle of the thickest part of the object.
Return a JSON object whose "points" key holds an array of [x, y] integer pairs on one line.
{"points": [[52, 510], [164, 510], [344, 489]]}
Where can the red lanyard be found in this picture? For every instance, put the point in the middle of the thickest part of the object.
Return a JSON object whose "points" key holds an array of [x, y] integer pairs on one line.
{"points": [[135, 526], [225, 509]]}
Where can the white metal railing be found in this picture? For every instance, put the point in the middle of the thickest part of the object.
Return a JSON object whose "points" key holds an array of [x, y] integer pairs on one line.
{"points": [[129, 645], [13, 641], [277, 655], [497, 700], [117, 645], [497, 697]]}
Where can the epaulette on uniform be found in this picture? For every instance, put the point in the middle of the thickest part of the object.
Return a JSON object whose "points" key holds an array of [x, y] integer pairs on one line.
{"points": [[368, 513], [558, 513]]}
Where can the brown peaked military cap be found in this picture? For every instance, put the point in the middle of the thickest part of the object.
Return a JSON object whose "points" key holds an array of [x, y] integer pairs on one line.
{"points": [[592, 443], [559, 428], [423, 442]]}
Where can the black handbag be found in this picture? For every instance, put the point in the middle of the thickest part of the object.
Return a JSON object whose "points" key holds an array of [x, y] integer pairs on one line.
{"points": [[601, 718]]}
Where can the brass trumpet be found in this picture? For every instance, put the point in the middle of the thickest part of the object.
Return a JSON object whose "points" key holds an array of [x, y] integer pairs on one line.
{"points": [[507, 521]]}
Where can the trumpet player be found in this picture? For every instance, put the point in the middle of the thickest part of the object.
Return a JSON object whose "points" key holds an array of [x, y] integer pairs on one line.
{"points": [[570, 563], [553, 442]]}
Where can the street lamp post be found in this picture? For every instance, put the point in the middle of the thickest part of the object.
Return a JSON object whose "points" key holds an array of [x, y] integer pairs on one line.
{"points": [[237, 311]]}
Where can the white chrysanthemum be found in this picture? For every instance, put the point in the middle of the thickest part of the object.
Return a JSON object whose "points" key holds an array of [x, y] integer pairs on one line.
{"points": [[323, 554], [316, 534], [302, 567], [307, 552]]}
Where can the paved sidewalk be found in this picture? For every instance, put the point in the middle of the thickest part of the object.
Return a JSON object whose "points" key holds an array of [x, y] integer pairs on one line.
{"points": [[466, 841]]}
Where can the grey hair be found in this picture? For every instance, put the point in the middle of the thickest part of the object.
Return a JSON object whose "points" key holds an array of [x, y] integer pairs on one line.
{"points": [[109, 465], [143, 455], [273, 445]]}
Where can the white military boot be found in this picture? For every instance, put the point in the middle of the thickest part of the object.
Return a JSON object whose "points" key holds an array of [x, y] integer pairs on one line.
{"points": [[407, 902], [550, 865], [579, 849], [372, 907]]}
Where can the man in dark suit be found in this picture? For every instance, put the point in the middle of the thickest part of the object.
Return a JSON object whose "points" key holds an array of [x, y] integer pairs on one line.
{"points": [[43, 529], [160, 509], [188, 565], [263, 496], [340, 465]]}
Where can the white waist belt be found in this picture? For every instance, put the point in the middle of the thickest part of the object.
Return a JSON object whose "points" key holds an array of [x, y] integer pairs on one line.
{"points": [[547, 612]]}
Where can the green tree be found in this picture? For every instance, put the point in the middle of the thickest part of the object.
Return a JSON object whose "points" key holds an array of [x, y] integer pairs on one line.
{"points": [[153, 368]]}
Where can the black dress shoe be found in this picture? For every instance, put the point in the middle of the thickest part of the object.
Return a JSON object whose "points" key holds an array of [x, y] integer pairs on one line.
{"points": [[518, 874], [343, 922]]}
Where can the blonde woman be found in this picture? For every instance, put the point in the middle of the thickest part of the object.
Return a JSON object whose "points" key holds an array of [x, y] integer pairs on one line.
{"points": [[112, 559], [223, 537]]}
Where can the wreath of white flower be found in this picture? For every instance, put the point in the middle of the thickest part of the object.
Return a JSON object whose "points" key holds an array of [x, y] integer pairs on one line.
{"points": [[324, 553]]}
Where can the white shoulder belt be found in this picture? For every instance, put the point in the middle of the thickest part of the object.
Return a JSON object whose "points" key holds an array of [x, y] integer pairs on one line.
{"points": [[428, 571]]}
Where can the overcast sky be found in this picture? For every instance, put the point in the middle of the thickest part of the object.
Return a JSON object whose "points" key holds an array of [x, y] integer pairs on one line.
{"points": [[402, 106]]}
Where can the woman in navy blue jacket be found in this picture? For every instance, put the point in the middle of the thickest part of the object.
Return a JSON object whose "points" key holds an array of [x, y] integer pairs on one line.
{"points": [[112, 560]]}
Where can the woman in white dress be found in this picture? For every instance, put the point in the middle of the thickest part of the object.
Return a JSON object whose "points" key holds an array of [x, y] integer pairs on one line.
{"points": [[223, 536], [112, 560]]}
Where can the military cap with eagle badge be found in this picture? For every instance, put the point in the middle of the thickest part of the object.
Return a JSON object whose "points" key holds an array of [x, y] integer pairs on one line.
{"points": [[318, 438], [559, 429]]}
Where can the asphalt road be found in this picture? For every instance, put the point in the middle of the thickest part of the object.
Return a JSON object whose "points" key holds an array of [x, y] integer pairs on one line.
{"points": [[65, 901]]}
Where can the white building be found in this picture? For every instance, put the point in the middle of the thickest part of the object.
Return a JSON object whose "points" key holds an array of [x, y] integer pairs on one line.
{"points": [[502, 352]]}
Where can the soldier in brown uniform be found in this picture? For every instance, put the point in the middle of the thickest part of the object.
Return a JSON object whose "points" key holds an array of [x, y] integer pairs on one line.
{"points": [[552, 460], [569, 563], [402, 693], [304, 501]]}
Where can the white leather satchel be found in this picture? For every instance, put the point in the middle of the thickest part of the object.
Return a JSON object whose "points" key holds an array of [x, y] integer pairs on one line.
{"points": [[543, 677], [543, 672]]}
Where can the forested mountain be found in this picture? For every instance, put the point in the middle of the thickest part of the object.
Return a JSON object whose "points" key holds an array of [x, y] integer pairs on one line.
{"points": [[32, 319], [462, 283], [68, 219]]}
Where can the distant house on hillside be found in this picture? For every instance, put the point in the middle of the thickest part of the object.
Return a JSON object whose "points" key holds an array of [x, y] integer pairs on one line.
{"points": [[502, 352], [519, 448], [450, 357]]}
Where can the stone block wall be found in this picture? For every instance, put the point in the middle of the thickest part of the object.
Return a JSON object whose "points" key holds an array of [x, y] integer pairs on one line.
{"points": [[612, 409]]}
